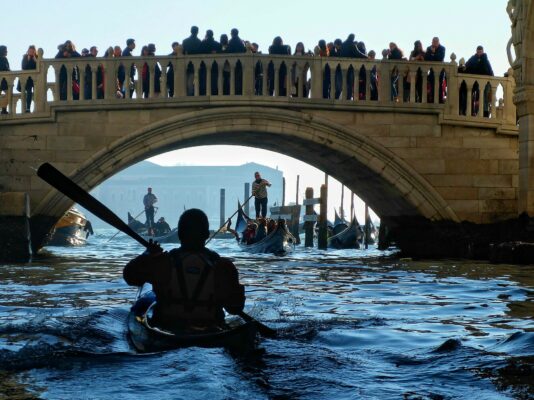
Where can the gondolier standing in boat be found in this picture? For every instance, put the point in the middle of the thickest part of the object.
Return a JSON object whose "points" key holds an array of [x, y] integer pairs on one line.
{"points": [[259, 190], [148, 201], [192, 284]]}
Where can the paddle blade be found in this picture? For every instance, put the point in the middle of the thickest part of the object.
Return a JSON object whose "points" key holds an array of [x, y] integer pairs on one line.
{"points": [[70, 189], [264, 330]]}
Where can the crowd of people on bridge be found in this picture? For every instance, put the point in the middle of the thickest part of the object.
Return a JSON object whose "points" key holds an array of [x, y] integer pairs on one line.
{"points": [[356, 82]]}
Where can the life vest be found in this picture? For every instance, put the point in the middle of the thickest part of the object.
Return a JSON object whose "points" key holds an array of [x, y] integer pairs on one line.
{"points": [[189, 298]]}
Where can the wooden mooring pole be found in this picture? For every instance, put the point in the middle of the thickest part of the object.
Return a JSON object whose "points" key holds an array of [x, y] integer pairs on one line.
{"points": [[322, 239], [222, 206], [308, 220], [367, 229], [283, 191], [297, 195]]}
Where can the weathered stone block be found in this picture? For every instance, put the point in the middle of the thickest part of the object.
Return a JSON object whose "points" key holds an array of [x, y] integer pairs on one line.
{"points": [[443, 142], [470, 206], [502, 181], [496, 193], [487, 143], [450, 180], [471, 166], [428, 166], [458, 193], [498, 206], [498, 154], [415, 130], [508, 166], [65, 143]]}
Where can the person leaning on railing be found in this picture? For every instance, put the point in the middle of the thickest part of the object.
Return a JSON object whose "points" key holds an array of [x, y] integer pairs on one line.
{"points": [[29, 62], [4, 66], [479, 64], [435, 53]]}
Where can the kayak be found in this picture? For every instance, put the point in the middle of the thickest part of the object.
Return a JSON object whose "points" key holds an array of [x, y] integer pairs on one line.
{"points": [[235, 335]]}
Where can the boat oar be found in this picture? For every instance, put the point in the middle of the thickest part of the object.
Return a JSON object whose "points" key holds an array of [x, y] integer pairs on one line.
{"points": [[226, 222], [113, 237], [70, 189]]}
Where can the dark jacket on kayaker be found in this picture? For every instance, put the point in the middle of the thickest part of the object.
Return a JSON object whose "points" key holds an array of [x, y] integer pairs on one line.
{"points": [[192, 284]]}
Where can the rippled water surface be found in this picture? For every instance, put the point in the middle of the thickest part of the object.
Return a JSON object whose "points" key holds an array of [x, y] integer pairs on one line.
{"points": [[353, 324]]}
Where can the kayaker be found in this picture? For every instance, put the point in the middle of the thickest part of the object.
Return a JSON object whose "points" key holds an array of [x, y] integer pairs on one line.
{"points": [[192, 284]]}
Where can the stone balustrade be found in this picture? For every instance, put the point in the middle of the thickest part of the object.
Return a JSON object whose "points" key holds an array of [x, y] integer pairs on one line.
{"points": [[408, 86]]}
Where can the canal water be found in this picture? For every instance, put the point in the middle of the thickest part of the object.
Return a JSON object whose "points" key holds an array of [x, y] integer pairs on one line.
{"points": [[353, 325]]}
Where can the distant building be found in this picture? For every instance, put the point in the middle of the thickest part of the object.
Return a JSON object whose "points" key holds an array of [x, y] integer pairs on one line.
{"points": [[182, 187]]}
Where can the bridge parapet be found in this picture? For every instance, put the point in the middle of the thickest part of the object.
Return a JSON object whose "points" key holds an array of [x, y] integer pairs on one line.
{"points": [[360, 83]]}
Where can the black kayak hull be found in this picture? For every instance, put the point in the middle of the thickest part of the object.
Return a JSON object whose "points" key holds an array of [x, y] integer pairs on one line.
{"points": [[236, 336]]}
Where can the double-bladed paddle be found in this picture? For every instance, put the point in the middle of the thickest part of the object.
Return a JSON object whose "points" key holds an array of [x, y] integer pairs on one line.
{"points": [[70, 189]]}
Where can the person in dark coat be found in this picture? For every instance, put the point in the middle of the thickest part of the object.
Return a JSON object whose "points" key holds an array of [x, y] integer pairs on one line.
{"points": [[157, 69], [127, 52], [278, 48], [394, 53], [209, 46], [4, 66], [192, 44], [235, 44], [479, 64], [29, 62], [435, 53], [418, 54], [193, 285], [348, 47], [176, 50]]}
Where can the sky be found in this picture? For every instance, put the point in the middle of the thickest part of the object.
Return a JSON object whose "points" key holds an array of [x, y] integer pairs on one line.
{"points": [[461, 26]]}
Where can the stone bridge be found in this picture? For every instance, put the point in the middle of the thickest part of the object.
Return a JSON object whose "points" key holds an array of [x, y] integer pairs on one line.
{"points": [[380, 127]]}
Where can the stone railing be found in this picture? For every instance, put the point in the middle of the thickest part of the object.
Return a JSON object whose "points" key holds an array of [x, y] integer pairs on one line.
{"points": [[404, 85]]}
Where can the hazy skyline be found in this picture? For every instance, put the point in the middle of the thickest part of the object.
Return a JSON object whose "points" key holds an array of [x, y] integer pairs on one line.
{"points": [[460, 25]]}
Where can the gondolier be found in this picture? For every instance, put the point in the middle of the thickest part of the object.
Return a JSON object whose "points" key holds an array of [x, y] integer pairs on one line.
{"points": [[148, 201], [259, 190]]}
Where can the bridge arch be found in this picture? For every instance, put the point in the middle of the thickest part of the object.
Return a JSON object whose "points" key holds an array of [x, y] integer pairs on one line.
{"points": [[382, 179]]}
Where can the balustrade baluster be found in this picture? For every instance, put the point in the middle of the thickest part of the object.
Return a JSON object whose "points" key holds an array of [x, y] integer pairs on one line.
{"points": [[493, 107], [163, 81], [69, 82], [196, 66], [23, 95], [94, 86], [436, 86], [209, 66], [232, 79], [469, 83], [152, 82], [333, 82], [289, 82], [413, 81], [82, 82], [220, 78], [265, 88]]}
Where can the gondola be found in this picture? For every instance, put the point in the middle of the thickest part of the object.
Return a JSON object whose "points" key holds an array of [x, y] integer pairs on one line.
{"points": [[72, 229], [236, 335], [141, 229], [278, 242], [347, 238]]}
